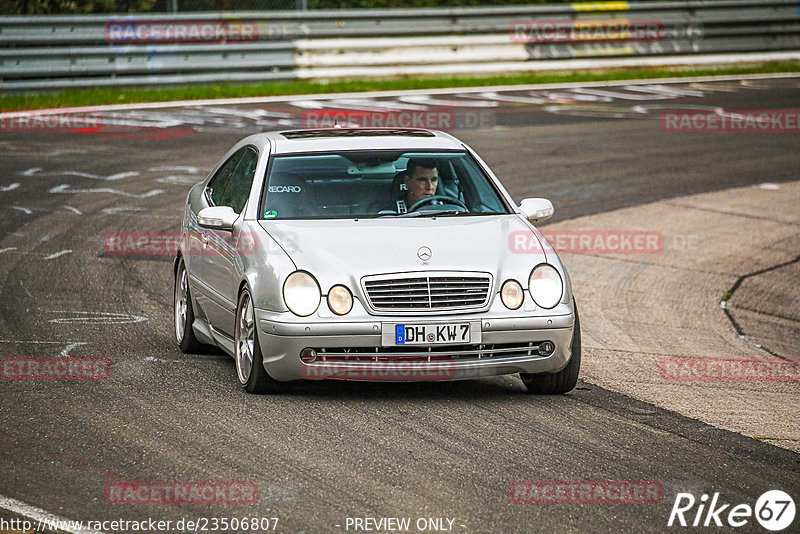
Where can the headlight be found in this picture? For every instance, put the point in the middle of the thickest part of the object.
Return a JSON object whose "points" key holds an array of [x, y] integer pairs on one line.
{"points": [[545, 286], [301, 293], [511, 294], [340, 301]]}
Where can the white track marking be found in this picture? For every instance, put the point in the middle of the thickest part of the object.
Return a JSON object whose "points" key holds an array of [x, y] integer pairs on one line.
{"points": [[180, 360], [174, 168], [44, 256], [620, 96], [9, 187], [429, 100], [23, 209], [113, 119], [190, 178], [122, 210], [42, 517], [719, 87], [640, 111], [340, 103], [378, 94], [571, 97], [667, 91], [66, 188], [163, 360], [85, 317], [577, 111], [647, 108], [69, 348], [177, 179], [252, 114], [57, 254], [36, 171], [492, 95], [382, 105], [758, 84], [29, 211]]}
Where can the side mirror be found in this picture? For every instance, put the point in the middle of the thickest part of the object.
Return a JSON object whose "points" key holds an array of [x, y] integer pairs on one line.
{"points": [[217, 218], [536, 209]]}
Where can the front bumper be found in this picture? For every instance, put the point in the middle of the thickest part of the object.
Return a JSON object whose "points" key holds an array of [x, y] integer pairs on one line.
{"points": [[357, 350]]}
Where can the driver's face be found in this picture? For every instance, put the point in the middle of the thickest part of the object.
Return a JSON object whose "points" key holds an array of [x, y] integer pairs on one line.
{"points": [[422, 183]]}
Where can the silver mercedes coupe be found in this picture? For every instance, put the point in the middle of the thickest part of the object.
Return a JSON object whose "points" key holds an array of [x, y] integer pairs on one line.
{"points": [[371, 254]]}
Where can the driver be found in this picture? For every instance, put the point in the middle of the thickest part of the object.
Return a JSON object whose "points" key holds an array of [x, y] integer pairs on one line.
{"points": [[421, 180]]}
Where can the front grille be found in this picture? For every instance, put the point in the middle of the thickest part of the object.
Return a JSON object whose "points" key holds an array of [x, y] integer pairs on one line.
{"points": [[428, 292], [428, 354]]}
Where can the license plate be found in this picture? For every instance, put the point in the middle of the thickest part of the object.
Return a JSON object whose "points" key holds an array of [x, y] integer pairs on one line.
{"points": [[431, 334]]}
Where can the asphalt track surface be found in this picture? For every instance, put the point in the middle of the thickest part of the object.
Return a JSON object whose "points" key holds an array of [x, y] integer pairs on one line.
{"points": [[331, 451]]}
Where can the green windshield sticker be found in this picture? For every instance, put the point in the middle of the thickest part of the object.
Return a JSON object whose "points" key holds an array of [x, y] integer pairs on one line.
{"points": [[271, 214]]}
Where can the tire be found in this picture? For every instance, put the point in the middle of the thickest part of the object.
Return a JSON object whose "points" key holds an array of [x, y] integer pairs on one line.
{"points": [[183, 314], [249, 362], [563, 381]]}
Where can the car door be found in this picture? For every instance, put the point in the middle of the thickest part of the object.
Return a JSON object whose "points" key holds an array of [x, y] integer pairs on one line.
{"points": [[222, 249], [197, 256]]}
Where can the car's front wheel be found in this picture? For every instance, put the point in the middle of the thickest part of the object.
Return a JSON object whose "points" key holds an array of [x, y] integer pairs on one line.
{"points": [[564, 380], [249, 363], [184, 314]]}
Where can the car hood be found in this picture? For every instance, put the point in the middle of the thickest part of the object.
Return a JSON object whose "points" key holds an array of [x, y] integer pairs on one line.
{"points": [[338, 250]]}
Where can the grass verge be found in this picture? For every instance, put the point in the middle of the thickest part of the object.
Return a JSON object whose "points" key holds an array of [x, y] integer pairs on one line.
{"points": [[128, 95]]}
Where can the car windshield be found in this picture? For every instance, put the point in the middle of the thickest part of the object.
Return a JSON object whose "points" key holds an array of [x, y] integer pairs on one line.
{"points": [[375, 183]]}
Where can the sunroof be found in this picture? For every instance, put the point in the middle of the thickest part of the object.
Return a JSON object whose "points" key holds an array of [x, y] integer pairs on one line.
{"points": [[354, 132]]}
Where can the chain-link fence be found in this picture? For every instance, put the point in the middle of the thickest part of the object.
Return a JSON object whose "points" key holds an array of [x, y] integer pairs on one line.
{"points": [[63, 7]]}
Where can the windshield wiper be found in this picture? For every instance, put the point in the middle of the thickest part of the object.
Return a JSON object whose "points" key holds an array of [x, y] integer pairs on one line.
{"points": [[444, 212], [428, 213], [409, 214], [436, 213]]}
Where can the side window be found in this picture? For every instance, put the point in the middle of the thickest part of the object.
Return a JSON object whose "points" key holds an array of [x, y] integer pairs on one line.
{"points": [[219, 183], [241, 180]]}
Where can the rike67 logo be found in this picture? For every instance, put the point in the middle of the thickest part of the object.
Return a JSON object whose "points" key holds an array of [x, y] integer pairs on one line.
{"points": [[774, 510]]}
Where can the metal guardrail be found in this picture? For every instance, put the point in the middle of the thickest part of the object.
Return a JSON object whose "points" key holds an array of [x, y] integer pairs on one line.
{"points": [[44, 52]]}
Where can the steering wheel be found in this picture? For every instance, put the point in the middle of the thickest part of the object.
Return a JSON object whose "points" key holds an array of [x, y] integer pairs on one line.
{"points": [[428, 200]]}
